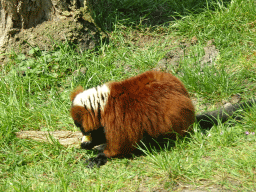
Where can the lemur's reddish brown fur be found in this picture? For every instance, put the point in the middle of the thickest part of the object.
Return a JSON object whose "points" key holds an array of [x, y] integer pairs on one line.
{"points": [[153, 102]]}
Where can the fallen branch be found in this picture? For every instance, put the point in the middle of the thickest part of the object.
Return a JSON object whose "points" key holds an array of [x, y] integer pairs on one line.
{"points": [[65, 138]]}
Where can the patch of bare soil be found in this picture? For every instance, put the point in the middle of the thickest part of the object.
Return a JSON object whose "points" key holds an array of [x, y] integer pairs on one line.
{"points": [[179, 50], [162, 183], [191, 188], [172, 59]]}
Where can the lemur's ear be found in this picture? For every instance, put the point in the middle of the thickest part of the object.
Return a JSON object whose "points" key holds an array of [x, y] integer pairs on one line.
{"points": [[76, 91]]}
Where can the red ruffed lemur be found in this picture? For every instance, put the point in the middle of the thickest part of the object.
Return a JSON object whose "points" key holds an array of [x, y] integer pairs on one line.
{"points": [[120, 113]]}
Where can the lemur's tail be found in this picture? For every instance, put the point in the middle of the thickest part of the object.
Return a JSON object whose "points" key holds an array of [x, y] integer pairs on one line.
{"points": [[207, 119]]}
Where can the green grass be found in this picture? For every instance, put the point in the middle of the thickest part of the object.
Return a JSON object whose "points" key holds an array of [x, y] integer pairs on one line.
{"points": [[35, 96]]}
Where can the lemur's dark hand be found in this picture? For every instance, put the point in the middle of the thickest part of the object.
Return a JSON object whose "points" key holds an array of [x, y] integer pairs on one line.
{"points": [[101, 159]]}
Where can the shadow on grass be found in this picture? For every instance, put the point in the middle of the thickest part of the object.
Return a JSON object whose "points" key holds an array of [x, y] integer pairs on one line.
{"points": [[107, 13], [145, 146]]}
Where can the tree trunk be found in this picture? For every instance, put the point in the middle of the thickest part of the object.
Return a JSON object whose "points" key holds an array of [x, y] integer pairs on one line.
{"points": [[39, 21]]}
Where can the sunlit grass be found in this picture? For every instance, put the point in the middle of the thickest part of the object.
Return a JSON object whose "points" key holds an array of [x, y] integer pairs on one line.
{"points": [[35, 96]]}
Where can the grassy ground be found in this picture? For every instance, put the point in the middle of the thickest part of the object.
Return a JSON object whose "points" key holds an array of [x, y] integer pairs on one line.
{"points": [[35, 96]]}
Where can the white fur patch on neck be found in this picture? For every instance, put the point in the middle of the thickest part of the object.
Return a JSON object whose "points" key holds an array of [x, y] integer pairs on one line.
{"points": [[93, 98]]}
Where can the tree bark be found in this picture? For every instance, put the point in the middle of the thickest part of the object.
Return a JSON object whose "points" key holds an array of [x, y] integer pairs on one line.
{"points": [[35, 20]]}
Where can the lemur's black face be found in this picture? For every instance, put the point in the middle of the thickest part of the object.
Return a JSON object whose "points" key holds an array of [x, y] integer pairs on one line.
{"points": [[79, 125]]}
